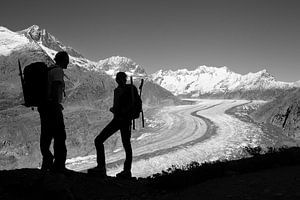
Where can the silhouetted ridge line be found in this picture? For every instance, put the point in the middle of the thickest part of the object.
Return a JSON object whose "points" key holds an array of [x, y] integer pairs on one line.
{"points": [[178, 178]]}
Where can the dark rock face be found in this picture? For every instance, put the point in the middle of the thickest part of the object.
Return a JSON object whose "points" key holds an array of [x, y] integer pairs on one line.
{"points": [[283, 112], [153, 95]]}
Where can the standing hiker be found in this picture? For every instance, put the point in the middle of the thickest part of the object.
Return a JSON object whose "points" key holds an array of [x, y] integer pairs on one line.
{"points": [[126, 100], [52, 122]]}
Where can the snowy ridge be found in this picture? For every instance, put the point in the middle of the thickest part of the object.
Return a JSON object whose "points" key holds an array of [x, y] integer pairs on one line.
{"points": [[10, 41], [51, 46], [115, 64], [82, 62], [40, 39], [36, 38], [204, 80]]}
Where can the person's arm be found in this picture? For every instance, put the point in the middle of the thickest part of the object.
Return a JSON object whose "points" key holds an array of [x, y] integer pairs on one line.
{"points": [[116, 102]]}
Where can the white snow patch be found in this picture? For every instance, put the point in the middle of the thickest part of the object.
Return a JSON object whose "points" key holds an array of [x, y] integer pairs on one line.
{"points": [[143, 136], [10, 41]]}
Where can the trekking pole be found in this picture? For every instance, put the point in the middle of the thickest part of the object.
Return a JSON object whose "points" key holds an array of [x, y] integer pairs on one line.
{"points": [[132, 96], [141, 88], [22, 79]]}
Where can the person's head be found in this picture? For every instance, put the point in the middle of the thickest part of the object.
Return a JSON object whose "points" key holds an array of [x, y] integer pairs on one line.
{"points": [[121, 78], [62, 59]]}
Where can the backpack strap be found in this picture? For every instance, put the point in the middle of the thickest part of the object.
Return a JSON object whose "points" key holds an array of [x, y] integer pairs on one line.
{"points": [[132, 100], [141, 88]]}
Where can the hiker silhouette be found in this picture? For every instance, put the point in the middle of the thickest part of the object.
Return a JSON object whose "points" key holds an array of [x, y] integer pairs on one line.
{"points": [[52, 122], [122, 111]]}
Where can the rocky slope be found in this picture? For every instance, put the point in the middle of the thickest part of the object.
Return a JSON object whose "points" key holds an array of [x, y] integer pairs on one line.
{"points": [[283, 112], [220, 83]]}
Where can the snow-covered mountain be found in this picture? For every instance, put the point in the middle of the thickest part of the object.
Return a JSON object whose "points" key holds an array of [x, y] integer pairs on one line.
{"points": [[215, 81], [42, 37], [35, 39], [36, 44], [115, 64], [51, 46]]}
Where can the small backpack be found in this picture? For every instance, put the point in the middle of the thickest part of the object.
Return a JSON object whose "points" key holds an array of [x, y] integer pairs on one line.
{"points": [[34, 83]]}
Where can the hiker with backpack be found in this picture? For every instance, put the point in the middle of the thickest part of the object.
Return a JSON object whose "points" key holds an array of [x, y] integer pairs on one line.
{"points": [[127, 105], [52, 122]]}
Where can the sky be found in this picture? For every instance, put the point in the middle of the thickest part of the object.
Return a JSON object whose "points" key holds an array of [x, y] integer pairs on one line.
{"points": [[244, 35]]}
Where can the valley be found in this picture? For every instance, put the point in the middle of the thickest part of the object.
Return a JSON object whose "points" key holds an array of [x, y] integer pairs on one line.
{"points": [[201, 132]]}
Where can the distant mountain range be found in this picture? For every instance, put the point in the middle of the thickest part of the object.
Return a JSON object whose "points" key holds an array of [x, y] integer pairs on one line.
{"points": [[220, 82], [204, 81]]}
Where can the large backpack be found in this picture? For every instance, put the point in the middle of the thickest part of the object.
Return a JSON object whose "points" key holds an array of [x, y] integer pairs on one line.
{"points": [[34, 83]]}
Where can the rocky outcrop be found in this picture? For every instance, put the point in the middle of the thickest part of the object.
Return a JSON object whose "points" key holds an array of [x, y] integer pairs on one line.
{"points": [[283, 112]]}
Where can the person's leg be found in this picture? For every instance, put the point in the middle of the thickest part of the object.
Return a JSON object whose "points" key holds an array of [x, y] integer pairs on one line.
{"points": [[45, 139], [110, 129], [126, 135], [60, 149]]}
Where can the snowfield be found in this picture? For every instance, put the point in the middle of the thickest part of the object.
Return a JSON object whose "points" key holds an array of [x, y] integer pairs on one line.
{"points": [[201, 132], [10, 41], [214, 80]]}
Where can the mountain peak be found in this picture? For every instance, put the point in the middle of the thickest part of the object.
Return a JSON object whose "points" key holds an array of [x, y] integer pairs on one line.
{"points": [[34, 32], [114, 64], [202, 68], [209, 69], [45, 39], [33, 27], [264, 71], [262, 74], [119, 60]]}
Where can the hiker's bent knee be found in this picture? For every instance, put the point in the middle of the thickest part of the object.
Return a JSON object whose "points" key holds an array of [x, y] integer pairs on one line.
{"points": [[98, 141]]}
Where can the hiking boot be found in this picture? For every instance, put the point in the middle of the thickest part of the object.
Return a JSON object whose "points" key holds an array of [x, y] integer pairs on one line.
{"points": [[124, 174], [98, 171]]}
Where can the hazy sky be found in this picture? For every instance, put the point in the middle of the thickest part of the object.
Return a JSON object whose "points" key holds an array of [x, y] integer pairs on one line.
{"points": [[244, 35]]}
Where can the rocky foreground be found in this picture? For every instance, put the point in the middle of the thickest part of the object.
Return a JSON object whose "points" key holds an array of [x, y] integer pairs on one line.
{"points": [[274, 175]]}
